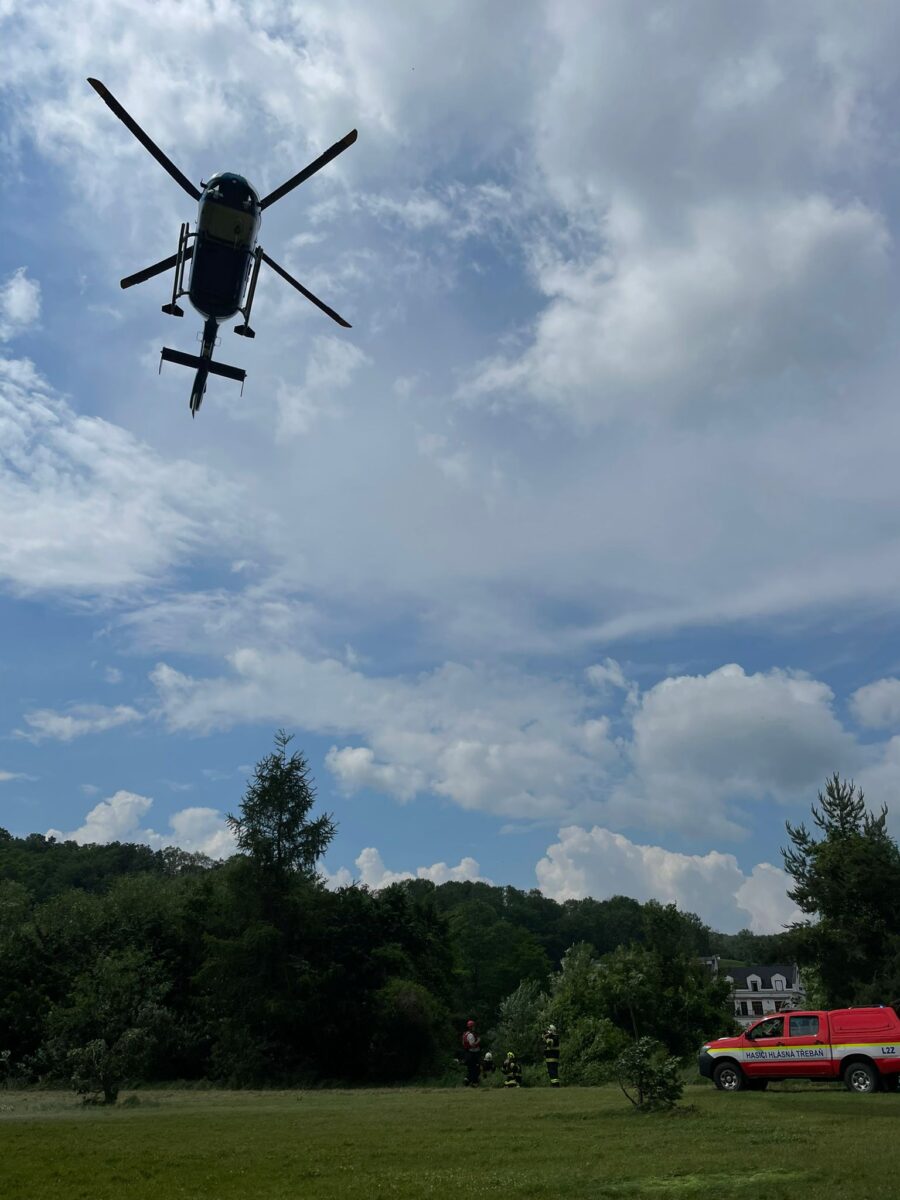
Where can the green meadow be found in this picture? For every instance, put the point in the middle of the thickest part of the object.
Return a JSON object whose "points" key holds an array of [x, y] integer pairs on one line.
{"points": [[409, 1142]]}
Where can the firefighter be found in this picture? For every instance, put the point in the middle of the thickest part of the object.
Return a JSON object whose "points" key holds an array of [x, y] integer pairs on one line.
{"points": [[512, 1069], [471, 1044], [551, 1054], [487, 1064]]}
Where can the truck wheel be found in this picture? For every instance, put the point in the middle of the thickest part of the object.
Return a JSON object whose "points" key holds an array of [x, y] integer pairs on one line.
{"points": [[861, 1077], [728, 1077]]}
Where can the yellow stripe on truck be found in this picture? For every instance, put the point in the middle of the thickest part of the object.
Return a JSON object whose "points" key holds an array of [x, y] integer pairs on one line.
{"points": [[792, 1053]]}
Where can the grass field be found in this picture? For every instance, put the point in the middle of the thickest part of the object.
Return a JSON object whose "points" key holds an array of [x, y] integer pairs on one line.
{"points": [[578, 1142]]}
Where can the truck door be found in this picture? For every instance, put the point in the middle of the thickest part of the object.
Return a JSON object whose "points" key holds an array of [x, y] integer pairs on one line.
{"points": [[764, 1055], [807, 1039]]}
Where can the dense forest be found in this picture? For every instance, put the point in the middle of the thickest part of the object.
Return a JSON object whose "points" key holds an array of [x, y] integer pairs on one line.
{"points": [[120, 962]]}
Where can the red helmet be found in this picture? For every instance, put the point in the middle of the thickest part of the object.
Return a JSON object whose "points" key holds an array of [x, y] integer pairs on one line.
{"points": [[470, 1024]]}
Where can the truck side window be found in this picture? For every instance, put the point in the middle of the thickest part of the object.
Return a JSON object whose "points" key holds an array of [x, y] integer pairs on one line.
{"points": [[804, 1026], [774, 1027]]}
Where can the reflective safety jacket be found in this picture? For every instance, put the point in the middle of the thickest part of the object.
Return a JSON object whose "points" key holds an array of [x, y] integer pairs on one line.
{"points": [[551, 1047], [512, 1069]]}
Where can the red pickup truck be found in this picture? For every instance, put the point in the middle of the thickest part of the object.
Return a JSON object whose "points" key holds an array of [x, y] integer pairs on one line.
{"points": [[861, 1046]]}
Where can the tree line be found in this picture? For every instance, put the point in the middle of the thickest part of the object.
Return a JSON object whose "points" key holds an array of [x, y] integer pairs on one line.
{"points": [[123, 963]]}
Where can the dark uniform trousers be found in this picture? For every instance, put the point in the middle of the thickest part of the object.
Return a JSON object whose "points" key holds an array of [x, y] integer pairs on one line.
{"points": [[551, 1058], [473, 1068]]}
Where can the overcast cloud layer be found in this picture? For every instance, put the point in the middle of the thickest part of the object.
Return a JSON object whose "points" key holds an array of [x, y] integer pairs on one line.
{"points": [[587, 529]]}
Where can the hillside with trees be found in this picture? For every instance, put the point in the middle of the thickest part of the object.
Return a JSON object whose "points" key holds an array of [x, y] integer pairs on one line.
{"points": [[123, 963]]}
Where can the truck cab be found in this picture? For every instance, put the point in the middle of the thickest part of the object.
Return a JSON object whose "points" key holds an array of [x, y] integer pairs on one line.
{"points": [[860, 1046]]}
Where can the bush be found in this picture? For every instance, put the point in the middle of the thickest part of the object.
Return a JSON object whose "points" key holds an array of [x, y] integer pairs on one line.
{"points": [[409, 1032], [99, 1069], [519, 1027], [589, 1050], [648, 1077]]}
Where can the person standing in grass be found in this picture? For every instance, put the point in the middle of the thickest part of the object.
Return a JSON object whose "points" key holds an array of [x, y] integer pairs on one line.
{"points": [[551, 1054], [487, 1065], [512, 1069], [472, 1052]]}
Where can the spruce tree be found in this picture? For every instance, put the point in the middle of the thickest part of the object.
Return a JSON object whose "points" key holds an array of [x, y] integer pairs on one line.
{"points": [[846, 881], [275, 828]]}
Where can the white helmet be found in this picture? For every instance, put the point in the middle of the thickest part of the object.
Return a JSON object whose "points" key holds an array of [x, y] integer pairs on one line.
{"points": [[488, 1057], [551, 1029]]}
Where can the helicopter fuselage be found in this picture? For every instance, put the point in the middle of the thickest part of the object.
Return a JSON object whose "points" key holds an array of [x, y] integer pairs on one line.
{"points": [[228, 222]]}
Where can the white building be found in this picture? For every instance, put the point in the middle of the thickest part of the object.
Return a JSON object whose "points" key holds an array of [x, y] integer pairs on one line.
{"points": [[767, 988]]}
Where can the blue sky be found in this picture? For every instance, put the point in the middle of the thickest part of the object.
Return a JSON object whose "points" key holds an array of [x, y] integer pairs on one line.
{"points": [[574, 563]]}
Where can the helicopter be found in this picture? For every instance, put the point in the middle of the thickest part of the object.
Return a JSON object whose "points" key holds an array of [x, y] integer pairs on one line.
{"points": [[223, 253]]}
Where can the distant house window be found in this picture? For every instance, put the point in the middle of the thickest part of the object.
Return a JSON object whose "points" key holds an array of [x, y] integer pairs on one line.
{"points": [[779, 1005], [778, 983], [757, 1008], [754, 985]]}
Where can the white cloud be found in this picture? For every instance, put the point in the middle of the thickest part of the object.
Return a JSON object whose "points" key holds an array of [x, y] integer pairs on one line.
{"points": [[372, 873], [355, 767], [666, 324], [490, 740], [7, 776], [701, 743], [329, 369], [877, 705], [694, 752], [20, 304], [120, 819], [600, 863], [86, 507], [78, 720], [112, 675], [112, 820]]}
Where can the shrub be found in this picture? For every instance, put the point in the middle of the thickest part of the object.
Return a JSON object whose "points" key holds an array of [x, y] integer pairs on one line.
{"points": [[99, 1069], [649, 1077], [589, 1051]]}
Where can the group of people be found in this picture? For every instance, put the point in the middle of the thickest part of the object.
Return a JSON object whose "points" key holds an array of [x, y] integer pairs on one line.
{"points": [[479, 1065]]}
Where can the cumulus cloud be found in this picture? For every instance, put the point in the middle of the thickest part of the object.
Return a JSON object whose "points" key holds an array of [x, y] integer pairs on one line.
{"points": [[877, 705], [597, 862], [729, 736], [20, 304], [120, 819], [694, 752], [372, 873], [76, 721], [490, 740]]}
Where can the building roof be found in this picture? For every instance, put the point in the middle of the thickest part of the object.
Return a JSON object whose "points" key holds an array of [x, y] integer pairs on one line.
{"points": [[764, 971]]}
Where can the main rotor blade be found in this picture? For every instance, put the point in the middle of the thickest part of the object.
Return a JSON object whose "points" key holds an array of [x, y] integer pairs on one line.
{"points": [[166, 163], [156, 269], [305, 291], [317, 165]]}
